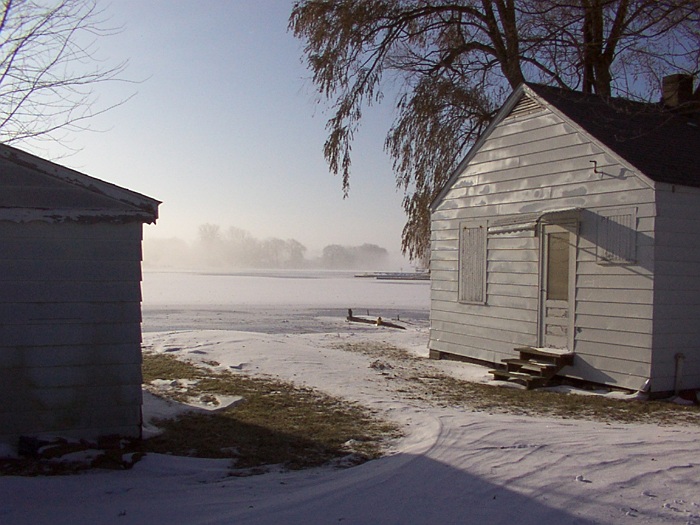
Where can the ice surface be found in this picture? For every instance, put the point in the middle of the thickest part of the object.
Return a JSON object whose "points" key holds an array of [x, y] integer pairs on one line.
{"points": [[274, 302]]}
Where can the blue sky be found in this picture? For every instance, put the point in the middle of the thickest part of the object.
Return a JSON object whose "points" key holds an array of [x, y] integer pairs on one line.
{"points": [[224, 128]]}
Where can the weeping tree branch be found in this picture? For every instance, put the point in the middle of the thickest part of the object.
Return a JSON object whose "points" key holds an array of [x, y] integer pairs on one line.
{"points": [[455, 61]]}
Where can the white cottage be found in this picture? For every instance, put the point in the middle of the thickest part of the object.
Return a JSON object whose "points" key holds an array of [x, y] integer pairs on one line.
{"points": [[70, 310], [568, 241]]}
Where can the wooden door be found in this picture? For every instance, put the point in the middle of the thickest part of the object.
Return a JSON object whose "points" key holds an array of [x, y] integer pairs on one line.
{"points": [[557, 275]]}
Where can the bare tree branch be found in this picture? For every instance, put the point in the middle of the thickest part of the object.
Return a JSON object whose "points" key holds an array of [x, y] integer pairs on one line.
{"points": [[48, 68]]}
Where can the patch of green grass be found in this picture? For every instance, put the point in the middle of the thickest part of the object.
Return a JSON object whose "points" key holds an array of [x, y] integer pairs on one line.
{"points": [[166, 366], [489, 398], [277, 423], [378, 350], [445, 390]]}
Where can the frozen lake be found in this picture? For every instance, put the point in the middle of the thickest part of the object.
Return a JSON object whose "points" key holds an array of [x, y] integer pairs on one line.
{"points": [[274, 301]]}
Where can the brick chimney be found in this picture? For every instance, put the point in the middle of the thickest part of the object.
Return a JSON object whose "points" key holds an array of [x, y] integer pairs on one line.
{"points": [[677, 90]]}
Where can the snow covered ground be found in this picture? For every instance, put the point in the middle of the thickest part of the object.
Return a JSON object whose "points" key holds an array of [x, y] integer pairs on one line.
{"points": [[452, 467]]}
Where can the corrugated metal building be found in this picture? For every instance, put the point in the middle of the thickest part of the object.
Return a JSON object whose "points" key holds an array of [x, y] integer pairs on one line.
{"points": [[70, 301], [573, 225]]}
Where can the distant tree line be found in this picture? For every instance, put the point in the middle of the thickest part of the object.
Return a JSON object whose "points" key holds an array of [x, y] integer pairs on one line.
{"points": [[237, 248], [366, 255]]}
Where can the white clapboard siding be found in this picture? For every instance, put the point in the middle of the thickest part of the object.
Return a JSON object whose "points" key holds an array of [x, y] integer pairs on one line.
{"points": [[78, 250], [437, 226], [447, 310], [665, 372], [674, 267], [53, 356], [678, 225], [507, 290], [68, 378], [536, 159], [70, 356], [445, 235], [452, 322], [483, 352], [438, 265], [624, 281], [520, 150], [677, 287], [616, 320], [527, 303], [479, 332], [444, 245], [444, 255], [447, 275], [525, 127], [497, 348], [481, 210], [533, 164], [53, 334], [606, 309], [511, 303], [52, 399], [511, 267], [69, 291], [70, 231], [69, 313], [74, 421], [515, 279], [75, 270], [616, 351], [451, 286], [605, 370]]}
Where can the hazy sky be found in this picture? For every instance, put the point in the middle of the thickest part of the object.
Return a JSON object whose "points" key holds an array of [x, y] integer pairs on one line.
{"points": [[224, 128]]}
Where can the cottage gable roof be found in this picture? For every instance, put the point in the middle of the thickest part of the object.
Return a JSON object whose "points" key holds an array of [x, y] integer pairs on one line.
{"points": [[661, 144], [32, 188]]}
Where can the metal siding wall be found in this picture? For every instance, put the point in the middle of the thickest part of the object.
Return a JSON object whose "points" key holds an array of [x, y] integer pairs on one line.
{"points": [[70, 357]]}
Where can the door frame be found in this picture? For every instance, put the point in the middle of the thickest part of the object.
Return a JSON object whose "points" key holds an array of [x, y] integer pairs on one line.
{"points": [[546, 227]]}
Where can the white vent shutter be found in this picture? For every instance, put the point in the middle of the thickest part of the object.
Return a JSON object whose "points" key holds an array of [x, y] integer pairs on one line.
{"points": [[617, 233], [472, 263], [525, 106]]}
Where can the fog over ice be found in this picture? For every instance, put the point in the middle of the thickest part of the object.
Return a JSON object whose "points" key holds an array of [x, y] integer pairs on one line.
{"points": [[236, 248]]}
